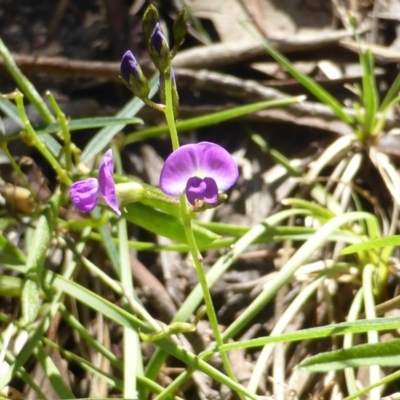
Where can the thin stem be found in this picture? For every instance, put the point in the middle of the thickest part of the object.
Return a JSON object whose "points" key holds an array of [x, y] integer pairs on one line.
{"points": [[25, 85], [169, 112], [198, 263], [187, 224], [33, 138], [161, 197], [65, 133], [152, 104]]}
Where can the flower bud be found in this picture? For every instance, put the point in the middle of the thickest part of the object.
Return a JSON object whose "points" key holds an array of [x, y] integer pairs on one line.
{"points": [[133, 76], [129, 192], [159, 50], [179, 30], [149, 21]]}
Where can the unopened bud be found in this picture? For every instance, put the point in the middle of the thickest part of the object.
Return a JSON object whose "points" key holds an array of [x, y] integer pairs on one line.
{"points": [[179, 30], [129, 192], [159, 49], [133, 76], [149, 21]]}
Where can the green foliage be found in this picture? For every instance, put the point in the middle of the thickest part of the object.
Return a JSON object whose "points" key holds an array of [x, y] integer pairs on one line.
{"points": [[329, 236], [385, 354]]}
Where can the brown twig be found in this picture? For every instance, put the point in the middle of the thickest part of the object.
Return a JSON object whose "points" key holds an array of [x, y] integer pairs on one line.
{"points": [[67, 68], [154, 290], [312, 114], [223, 54]]}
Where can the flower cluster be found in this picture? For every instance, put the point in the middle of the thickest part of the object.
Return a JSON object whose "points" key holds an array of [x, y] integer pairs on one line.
{"points": [[200, 170], [85, 194], [160, 54]]}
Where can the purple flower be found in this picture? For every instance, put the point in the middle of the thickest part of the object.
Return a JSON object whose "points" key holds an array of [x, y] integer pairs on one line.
{"points": [[85, 194], [129, 66], [200, 170]]}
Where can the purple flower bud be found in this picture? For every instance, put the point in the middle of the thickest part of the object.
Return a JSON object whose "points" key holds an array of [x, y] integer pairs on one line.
{"points": [[85, 194], [157, 39], [159, 50], [133, 76], [129, 66], [200, 170]]}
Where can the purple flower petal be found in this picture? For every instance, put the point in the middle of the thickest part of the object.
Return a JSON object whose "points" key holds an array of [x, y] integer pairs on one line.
{"points": [[202, 160], [181, 165], [106, 181], [129, 66], [84, 194], [217, 163], [202, 189], [157, 38]]}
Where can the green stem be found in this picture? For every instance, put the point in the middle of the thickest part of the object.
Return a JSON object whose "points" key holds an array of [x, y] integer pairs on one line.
{"points": [[133, 364], [156, 106], [25, 85], [34, 139], [65, 133], [187, 224], [169, 112], [161, 197]]}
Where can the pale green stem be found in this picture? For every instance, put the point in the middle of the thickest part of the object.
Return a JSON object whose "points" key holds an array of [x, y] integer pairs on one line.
{"points": [[373, 337], [187, 224], [169, 113], [354, 311], [165, 199], [132, 352], [133, 364], [66, 135], [34, 139]]}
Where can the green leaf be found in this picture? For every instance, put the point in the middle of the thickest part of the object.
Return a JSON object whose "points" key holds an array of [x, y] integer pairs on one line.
{"points": [[24, 84], [38, 247], [369, 91], [385, 354], [51, 144], [388, 241], [11, 111], [9, 253], [164, 224], [318, 91], [391, 94], [360, 326], [210, 119], [89, 123], [125, 318], [54, 375], [104, 136], [285, 274]]}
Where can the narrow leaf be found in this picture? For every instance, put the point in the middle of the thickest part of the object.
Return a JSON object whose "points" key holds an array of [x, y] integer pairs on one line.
{"points": [[164, 224], [385, 354], [388, 241]]}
